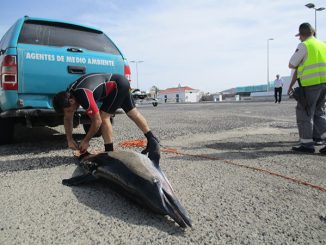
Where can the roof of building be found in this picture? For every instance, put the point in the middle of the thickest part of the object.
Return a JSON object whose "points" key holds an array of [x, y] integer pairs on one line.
{"points": [[176, 90]]}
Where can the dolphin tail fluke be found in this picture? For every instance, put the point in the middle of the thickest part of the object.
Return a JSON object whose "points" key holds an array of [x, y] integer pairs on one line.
{"points": [[176, 211]]}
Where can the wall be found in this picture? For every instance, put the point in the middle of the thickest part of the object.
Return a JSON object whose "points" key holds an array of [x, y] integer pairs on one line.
{"points": [[192, 97], [171, 97], [183, 97]]}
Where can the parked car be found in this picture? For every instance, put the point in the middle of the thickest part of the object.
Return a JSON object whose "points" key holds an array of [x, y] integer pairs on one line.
{"points": [[40, 57], [142, 98]]}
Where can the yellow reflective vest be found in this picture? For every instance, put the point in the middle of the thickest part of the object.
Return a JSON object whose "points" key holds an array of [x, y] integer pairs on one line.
{"points": [[313, 69]]}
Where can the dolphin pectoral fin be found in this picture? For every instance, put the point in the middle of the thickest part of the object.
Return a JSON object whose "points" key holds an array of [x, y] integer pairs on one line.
{"points": [[86, 178], [176, 211]]}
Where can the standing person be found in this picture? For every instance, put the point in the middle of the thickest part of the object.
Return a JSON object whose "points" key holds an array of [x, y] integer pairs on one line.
{"points": [[316, 135], [278, 85], [113, 91], [309, 61]]}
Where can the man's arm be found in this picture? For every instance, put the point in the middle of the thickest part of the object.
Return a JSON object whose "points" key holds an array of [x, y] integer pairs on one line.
{"points": [[87, 101], [292, 66], [298, 56], [68, 125], [294, 79], [96, 122]]}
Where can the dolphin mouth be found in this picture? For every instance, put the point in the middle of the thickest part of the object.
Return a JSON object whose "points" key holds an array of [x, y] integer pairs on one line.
{"points": [[176, 211], [173, 207]]}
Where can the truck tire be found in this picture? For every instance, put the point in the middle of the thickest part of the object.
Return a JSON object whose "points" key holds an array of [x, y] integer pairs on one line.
{"points": [[86, 128], [6, 130]]}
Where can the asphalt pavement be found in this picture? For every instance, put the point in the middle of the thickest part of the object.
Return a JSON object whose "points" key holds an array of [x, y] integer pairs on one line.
{"points": [[230, 165]]}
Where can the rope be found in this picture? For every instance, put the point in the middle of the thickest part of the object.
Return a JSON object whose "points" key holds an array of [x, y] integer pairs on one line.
{"points": [[142, 143]]}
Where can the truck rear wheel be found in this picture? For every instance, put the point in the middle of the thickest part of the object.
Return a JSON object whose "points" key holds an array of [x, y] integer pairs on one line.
{"points": [[6, 130]]}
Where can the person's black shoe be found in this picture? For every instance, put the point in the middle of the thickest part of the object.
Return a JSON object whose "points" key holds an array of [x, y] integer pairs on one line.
{"points": [[323, 150], [318, 141], [303, 149]]}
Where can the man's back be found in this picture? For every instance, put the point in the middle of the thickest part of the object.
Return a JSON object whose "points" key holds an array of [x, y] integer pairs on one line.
{"points": [[91, 88]]}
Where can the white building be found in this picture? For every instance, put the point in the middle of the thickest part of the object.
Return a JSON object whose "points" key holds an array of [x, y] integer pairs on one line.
{"points": [[179, 94]]}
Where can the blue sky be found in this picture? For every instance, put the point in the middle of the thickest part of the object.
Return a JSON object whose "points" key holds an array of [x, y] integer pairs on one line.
{"points": [[205, 44]]}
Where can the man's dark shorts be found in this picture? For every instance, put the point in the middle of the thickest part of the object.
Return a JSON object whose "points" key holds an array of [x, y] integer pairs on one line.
{"points": [[120, 97]]}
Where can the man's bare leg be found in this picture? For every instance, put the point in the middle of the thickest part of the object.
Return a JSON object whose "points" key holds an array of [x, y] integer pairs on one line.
{"points": [[139, 120], [153, 147], [106, 128]]}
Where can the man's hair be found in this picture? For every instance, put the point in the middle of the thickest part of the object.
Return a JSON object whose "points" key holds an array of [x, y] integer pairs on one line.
{"points": [[61, 101]]}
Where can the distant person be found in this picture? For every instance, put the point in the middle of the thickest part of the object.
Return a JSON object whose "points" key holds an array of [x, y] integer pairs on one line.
{"points": [[113, 91], [309, 61], [278, 85]]}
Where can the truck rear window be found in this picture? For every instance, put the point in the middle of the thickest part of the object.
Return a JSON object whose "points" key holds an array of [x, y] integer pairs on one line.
{"points": [[58, 34]]}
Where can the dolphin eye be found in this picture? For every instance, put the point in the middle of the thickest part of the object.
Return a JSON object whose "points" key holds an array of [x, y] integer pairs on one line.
{"points": [[155, 180]]}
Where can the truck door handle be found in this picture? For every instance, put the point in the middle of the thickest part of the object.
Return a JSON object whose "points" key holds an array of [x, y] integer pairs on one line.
{"points": [[75, 50], [77, 69]]}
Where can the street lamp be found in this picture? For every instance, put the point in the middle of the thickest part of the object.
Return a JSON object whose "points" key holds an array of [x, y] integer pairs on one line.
{"points": [[312, 6], [269, 39], [136, 62]]}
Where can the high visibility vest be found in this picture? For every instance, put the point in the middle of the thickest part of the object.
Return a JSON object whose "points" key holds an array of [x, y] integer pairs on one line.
{"points": [[313, 69]]}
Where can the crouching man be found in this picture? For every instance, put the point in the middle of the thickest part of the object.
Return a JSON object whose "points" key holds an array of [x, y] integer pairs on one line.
{"points": [[113, 91]]}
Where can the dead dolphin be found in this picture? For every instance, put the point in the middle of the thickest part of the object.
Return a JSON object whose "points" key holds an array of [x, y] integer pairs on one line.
{"points": [[140, 177]]}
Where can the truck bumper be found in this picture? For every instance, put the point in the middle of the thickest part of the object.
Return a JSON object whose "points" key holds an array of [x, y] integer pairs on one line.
{"points": [[42, 117], [45, 117]]}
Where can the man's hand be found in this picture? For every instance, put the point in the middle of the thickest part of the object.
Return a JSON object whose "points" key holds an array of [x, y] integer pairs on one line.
{"points": [[152, 148], [72, 145], [290, 91], [83, 146]]}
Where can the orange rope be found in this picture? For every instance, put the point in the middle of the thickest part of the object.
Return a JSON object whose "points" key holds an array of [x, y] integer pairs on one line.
{"points": [[142, 143], [133, 143]]}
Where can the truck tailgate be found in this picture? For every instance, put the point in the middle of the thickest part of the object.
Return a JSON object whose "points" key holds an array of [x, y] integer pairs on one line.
{"points": [[46, 69]]}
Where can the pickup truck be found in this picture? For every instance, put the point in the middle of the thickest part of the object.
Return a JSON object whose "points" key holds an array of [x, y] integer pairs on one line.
{"points": [[40, 57]]}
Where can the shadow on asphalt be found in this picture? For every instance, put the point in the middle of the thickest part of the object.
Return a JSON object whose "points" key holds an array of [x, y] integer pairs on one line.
{"points": [[241, 150], [36, 140], [108, 199], [251, 150], [34, 163], [249, 145]]}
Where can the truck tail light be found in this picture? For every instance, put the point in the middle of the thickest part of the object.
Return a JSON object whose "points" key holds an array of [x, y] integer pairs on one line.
{"points": [[9, 73], [127, 72]]}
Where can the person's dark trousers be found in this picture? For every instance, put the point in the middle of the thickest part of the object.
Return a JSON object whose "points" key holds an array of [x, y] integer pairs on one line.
{"points": [[312, 117], [278, 91]]}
